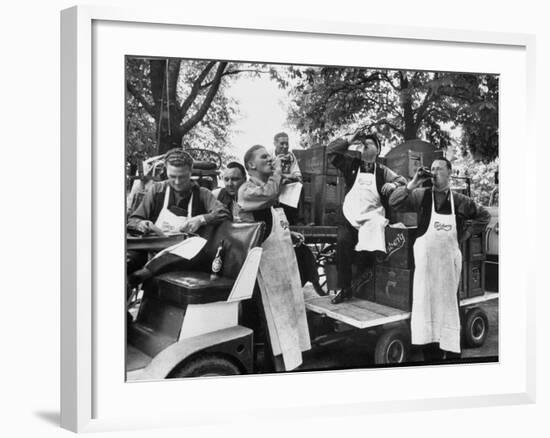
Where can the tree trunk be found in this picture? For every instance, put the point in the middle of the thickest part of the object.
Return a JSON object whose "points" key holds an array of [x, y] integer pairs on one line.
{"points": [[410, 127], [164, 89]]}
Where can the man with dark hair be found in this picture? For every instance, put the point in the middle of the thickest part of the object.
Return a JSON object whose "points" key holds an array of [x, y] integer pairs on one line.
{"points": [[367, 186], [175, 205], [234, 175], [438, 260]]}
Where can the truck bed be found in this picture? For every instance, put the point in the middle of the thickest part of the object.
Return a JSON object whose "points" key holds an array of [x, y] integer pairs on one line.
{"points": [[364, 314]]}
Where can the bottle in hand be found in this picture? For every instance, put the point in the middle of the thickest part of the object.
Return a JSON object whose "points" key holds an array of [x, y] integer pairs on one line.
{"points": [[425, 173], [217, 263]]}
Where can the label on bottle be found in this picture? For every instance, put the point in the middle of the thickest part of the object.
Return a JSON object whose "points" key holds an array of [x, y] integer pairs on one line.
{"points": [[217, 265]]}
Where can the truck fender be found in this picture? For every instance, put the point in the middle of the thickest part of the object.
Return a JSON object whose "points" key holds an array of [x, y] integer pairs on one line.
{"points": [[164, 362]]}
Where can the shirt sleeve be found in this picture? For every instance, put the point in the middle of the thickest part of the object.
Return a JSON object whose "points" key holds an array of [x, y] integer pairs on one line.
{"points": [[391, 177], [254, 197], [336, 152], [145, 209], [403, 199], [216, 211], [470, 210]]}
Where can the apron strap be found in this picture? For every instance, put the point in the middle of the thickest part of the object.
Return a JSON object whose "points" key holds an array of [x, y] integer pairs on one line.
{"points": [[452, 201], [166, 197], [190, 207]]}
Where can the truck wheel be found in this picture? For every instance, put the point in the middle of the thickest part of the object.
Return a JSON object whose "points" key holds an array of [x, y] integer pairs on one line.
{"points": [[204, 366], [476, 328], [392, 347]]}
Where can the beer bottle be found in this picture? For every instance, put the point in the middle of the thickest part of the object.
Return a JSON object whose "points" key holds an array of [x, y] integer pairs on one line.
{"points": [[217, 263]]}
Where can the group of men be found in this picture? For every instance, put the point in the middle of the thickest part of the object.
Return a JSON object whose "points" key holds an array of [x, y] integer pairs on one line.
{"points": [[251, 193]]}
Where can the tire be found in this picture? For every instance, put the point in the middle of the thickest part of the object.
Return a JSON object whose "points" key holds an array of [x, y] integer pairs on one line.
{"points": [[324, 255], [476, 328], [206, 366], [392, 347]]}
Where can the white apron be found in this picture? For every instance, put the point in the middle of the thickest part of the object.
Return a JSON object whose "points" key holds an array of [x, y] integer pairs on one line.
{"points": [[363, 209], [282, 296], [167, 221], [437, 256]]}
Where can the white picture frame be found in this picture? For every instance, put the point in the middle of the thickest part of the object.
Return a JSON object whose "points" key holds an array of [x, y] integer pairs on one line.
{"points": [[87, 403]]}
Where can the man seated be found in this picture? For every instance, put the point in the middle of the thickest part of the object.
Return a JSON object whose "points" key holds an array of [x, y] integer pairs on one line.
{"points": [[367, 186], [176, 205], [290, 171], [234, 175]]}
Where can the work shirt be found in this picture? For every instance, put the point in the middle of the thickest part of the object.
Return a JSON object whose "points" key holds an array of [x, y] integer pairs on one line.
{"points": [[420, 201], [228, 201], [256, 198], [203, 203], [349, 166]]}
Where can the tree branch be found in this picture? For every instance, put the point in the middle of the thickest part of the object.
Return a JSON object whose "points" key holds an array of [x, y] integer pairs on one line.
{"points": [[195, 89], [137, 95], [390, 124], [233, 72], [198, 116]]}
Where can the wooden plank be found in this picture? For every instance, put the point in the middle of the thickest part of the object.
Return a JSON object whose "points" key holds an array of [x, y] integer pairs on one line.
{"points": [[356, 312], [487, 296], [379, 308]]}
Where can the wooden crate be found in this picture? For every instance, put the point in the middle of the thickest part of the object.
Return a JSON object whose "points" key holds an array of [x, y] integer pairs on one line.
{"points": [[472, 279], [399, 248], [393, 287], [408, 218], [474, 249], [315, 161], [363, 277]]}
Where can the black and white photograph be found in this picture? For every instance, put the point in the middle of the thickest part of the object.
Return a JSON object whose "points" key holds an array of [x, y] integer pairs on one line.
{"points": [[307, 218]]}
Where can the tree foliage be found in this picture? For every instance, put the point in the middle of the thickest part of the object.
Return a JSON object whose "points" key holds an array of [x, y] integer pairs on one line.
{"points": [[174, 102], [397, 104]]}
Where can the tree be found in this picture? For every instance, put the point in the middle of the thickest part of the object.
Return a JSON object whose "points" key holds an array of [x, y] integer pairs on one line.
{"points": [[182, 101], [400, 105]]}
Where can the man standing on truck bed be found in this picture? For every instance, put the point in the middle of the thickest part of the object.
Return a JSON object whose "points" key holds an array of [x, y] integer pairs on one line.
{"points": [[438, 261], [368, 185], [290, 170]]}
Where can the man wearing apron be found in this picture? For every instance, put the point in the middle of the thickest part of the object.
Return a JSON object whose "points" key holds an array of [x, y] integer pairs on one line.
{"points": [[367, 186], [280, 302], [438, 261], [176, 205]]}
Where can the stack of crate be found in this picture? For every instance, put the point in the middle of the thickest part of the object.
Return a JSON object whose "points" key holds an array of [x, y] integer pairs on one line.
{"points": [[394, 271], [473, 263], [323, 190]]}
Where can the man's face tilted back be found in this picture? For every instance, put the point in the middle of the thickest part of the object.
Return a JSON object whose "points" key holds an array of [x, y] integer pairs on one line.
{"points": [[369, 151], [442, 175], [179, 178], [232, 180], [261, 163]]}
